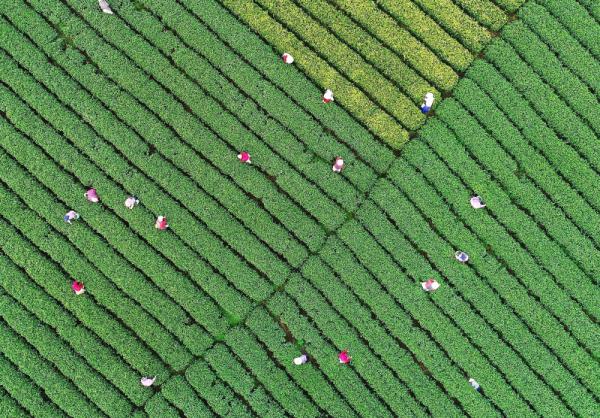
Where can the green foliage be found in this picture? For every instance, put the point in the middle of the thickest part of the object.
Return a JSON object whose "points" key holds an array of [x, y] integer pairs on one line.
{"points": [[221, 398], [265, 262], [18, 389], [485, 12], [457, 23], [352, 98]]}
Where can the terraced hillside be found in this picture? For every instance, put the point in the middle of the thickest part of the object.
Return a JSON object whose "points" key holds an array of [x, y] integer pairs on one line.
{"points": [[266, 261]]}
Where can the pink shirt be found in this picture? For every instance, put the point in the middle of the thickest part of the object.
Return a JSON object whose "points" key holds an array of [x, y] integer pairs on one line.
{"points": [[76, 286], [244, 157], [344, 357], [287, 58], [91, 195]]}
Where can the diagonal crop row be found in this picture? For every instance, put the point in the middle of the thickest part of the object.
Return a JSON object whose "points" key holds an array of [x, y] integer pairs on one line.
{"points": [[562, 155], [375, 332], [427, 30], [55, 283], [493, 231], [482, 300], [216, 393], [151, 265], [574, 357], [387, 30], [544, 101], [55, 246], [11, 408], [271, 375], [541, 362], [373, 51], [125, 166], [341, 57], [377, 121], [283, 347], [71, 363], [228, 69], [206, 313], [25, 393], [570, 52], [83, 341], [323, 351], [457, 23], [180, 393], [530, 159], [485, 12], [232, 264], [502, 246], [478, 337], [158, 406], [546, 64], [575, 246], [59, 388], [510, 5], [577, 20], [400, 320], [224, 364], [192, 170], [387, 372], [517, 220], [244, 113], [124, 275], [249, 113], [381, 377], [593, 8], [307, 114], [515, 55], [143, 63]]}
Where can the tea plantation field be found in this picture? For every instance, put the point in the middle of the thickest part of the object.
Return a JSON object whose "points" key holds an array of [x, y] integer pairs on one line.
{"points": [[267, 261]]}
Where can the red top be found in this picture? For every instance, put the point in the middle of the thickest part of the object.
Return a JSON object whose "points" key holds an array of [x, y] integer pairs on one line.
{"points": [[244, 156], [344, 357], [77, 286], [162, 224]]}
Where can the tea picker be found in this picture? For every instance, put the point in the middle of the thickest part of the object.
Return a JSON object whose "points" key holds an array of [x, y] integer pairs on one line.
{"points": [[92, 196], [427, 103], [105, 7]]}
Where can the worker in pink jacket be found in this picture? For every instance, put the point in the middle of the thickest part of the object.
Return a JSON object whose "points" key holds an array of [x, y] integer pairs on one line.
{"points": [[338, 165], [244, 157], [430, 285], [105, 7], [161, 223], [92, 196], [344, 358], [78, 287]]}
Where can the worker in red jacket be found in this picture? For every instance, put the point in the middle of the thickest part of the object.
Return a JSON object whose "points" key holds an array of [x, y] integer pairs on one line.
{"points": [[161, 223], [244, 157], [78, 287], [344, 358]]}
